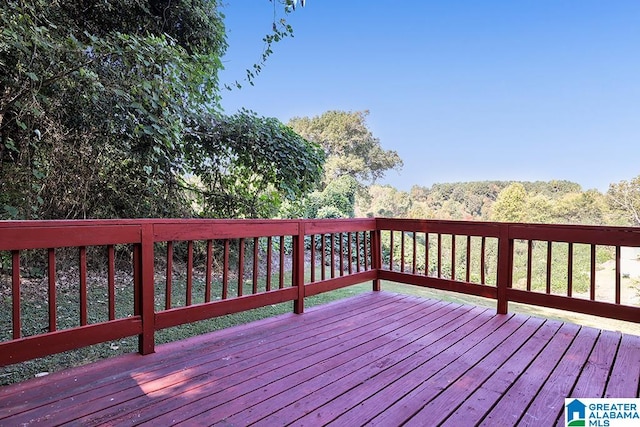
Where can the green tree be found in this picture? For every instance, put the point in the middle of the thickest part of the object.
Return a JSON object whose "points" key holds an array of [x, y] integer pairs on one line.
{"points": [[384, 201], [352, 151], [459, 200], [538, 209], [96, 90], [510, 206], [349, 145], [553, 189], [625, 197], [103, 105], [248, 165], [587, 207], [336, 200]]}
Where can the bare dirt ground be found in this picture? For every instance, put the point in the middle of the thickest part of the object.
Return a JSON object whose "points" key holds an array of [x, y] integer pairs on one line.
{"points": [[630, 283]]}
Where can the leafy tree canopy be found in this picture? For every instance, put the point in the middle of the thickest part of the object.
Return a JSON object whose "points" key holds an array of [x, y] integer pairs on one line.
{"points": [[520, 201], [510, 204], [625, 197], [350, 146], [385, 201], [336, 200], [247, 165], [105, 104]]}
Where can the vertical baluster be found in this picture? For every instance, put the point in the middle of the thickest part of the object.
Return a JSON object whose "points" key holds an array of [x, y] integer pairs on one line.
{"points": [[549, 260], [189, 290], [240, 266], [15, 294], [390, 250], [349, 253], [269, 262], [468, 264], [169, 276], [453, 257], [592, 279], [209, 271], [323, 256], [83, 285], [365, 249], [111, 280], [415, 259], [281, 278], [52, 289], [313, 258], [439, 255], [358, 251], [255, 265], [618, 274], [483, 259], [529, 263], [225, 270], [570, 270], [426, 253], [402, 254]]}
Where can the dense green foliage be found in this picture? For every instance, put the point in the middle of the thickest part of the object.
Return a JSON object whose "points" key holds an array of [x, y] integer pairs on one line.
{"points": [[559, 202], [337, 200], [354, 159], [350, 146], [247, 165], [625, 196], [111, 108]]}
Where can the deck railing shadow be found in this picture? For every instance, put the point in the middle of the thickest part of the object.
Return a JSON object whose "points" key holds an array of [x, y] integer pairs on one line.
{"points": [[136, 277]]}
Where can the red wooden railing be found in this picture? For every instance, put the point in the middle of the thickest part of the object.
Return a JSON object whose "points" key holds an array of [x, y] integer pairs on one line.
{"points": [[135, 277], [495, 275]]}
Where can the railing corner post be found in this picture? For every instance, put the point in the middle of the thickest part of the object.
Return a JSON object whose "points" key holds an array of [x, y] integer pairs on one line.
{"points": [[377, 256], [145, 285], [505, 268]]}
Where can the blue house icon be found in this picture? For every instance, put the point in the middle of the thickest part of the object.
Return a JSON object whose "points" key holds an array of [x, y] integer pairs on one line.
{"points": [[576, 410]]}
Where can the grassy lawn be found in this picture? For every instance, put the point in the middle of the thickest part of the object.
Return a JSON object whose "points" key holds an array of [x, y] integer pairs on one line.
{"points": [[550, 313], [22, 371]]}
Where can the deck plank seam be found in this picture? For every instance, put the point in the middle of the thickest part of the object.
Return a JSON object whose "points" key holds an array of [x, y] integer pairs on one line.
{"points": [[524, 326], [393, 313], [558, 336], [529, 349], [460, 307], [126, 375], [458, 349], [404, 358]]}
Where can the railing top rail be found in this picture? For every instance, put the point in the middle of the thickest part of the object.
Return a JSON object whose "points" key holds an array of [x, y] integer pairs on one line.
{"points": [[319, 226], [17, 235], [472, 228], [576, 233], [27, 237], [216, 230], [600, 235], [139, 221]]}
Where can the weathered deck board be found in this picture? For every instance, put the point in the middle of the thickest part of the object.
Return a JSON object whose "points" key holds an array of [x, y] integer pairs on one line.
{"points": [[626, 369], [595, 373], [377, 359], [545, 409]]}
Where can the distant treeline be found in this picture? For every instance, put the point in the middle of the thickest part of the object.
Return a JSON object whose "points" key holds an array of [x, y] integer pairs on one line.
{"points": [[556, 201]]}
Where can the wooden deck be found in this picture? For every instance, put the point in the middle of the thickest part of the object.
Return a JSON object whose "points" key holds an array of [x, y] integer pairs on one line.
{"points": [[377, 359]]}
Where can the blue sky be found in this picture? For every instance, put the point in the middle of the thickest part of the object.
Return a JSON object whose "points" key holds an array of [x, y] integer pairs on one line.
{"points": [[462, 90]]}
